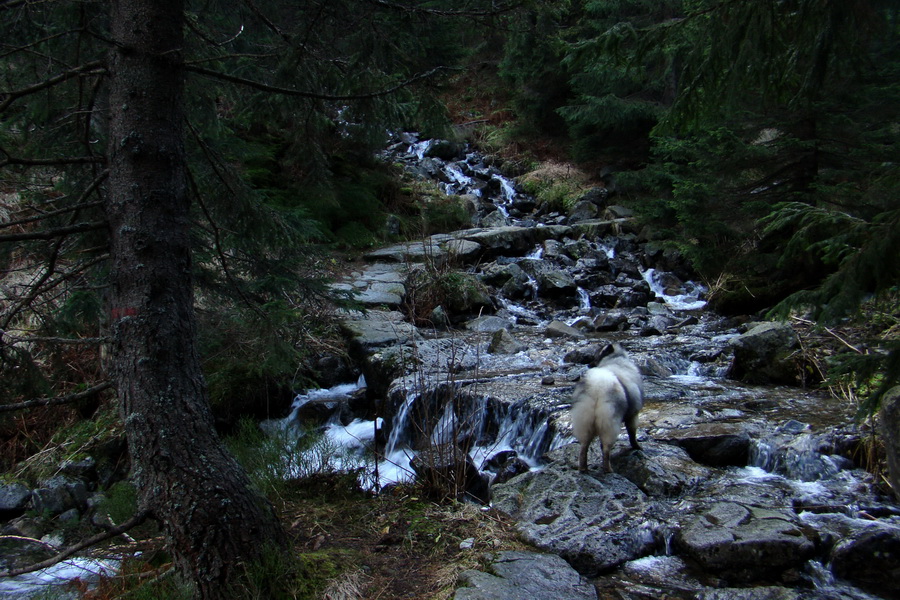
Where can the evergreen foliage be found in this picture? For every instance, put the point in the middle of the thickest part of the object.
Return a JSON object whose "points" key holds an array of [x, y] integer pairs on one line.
{"points": [[777, 160], [616, 104], [285, 106]]}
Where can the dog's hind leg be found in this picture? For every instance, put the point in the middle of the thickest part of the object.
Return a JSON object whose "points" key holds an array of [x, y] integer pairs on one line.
{"points": [[583, 455], [631, 426]]}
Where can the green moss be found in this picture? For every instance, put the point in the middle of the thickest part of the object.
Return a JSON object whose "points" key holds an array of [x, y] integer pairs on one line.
{"points": [[121, 502]]}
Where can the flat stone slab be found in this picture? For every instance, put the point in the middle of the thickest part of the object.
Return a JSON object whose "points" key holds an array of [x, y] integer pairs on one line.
{"points": [[377, 329], [409, 252], [517, 575], [374, 297], [588, 521], [733, 536]]}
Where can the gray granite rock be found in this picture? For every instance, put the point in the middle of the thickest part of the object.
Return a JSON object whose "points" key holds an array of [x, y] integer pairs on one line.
{"points": [[520, 575]]}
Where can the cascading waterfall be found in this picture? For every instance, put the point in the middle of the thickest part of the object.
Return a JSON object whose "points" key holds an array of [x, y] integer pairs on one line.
{"points": [[688, 300], [584, 300]]}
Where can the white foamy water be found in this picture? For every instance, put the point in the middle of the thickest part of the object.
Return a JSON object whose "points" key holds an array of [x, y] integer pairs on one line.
{"points": [[688, 299], [53, 580]]}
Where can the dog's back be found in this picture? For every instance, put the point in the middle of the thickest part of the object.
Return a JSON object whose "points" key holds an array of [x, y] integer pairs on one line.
{"points": [[607, 395], [616, 360]]}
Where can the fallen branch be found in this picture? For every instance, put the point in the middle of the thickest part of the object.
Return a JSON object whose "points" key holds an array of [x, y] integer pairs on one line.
{"points": [[58, 400], [100, 537]]}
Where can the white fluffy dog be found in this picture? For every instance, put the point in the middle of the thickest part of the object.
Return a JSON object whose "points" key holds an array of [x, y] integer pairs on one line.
{"points": [[607, 395]]}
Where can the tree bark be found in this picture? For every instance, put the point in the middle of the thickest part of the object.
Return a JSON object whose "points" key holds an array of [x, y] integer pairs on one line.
{"points": [[214, 521]]}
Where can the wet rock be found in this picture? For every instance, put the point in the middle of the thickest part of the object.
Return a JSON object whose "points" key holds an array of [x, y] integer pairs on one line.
{"points": [[636, 295], [504, 239], [764, 354], [415, 252], [488, 323], [439, 318], [654, 367], [889, 417], [555, 283], [515, 575], [596, 196], [582, 211], [379, 298], [463, 250], [558, 329], [445, 150], [28, 527], [616, 211], [509, 468], [58, 494], [495, 218], [871, 561], [378, 329], [14, 498], [714, 444], [614, 320], [768, 592], [588, 521], [656, 325], [660, 470], [502, 342], [585, 355], [744, 540], [332, 369]]}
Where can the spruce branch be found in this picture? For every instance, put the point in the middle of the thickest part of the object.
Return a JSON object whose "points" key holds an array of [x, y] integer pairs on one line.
{"points": [[264, 87]]}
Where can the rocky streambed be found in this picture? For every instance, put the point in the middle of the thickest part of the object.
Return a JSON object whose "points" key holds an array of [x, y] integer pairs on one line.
{"points": [[466, 349], [748, 485]]}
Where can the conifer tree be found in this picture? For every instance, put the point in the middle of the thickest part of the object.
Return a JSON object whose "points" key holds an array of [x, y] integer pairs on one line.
{"points": [[127, 133]]}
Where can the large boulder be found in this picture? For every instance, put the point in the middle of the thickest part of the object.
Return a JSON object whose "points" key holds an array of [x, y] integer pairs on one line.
{"points": [[743, 540], [59, 494], [660, 470], [378, 329], [14, 498], [714, 444], [890, 433], [765, 354], [590, 522], [558, 329], [515, 575], [871, 561], [502, 342]]}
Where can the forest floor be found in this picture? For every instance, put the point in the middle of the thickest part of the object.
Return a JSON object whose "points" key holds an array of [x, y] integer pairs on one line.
{"points": [[396, 545]]}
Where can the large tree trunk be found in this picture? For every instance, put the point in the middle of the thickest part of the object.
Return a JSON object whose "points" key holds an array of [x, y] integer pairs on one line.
{"points": [[213, 520]]}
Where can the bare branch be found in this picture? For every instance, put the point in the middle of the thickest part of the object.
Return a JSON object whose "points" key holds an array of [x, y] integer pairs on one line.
{"points": [[56, 340], [67, 399], [52, 213], [40, 162], [303, 94], [12, 96], [267, 22], [134, 521], [49, 234], [79, 204]]}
